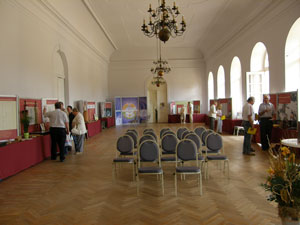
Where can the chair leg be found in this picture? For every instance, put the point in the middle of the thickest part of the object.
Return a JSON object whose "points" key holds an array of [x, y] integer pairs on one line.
{"points": [[227, 168], [137, 185], [200, 183], [175, 181], [206, 170], [133, 171], [162, 184]]}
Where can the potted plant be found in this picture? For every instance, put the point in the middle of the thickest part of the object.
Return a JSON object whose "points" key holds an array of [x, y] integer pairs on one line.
{"points": [[284, 184], [25, 120]]}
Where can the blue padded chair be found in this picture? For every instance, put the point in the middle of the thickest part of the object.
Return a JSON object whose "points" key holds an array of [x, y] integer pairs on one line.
{"points": [[199, 131], [186, 150], [133, 130], [185, 133], [215, 151], [148, 153], [146, 137], [168, 132], [134, 137], [168, 146], [162, 131], [125, 146], [152, 134], [194, 137], [180, 131], [203, 138], [148, 129]]}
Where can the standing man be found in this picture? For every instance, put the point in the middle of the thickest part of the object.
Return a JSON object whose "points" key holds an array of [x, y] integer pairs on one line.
{"points": [[212, 115], [266, 112], [78, 131], [59, 127], [248, 120]]}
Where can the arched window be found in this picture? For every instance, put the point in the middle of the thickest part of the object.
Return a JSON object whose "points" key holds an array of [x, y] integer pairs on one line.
{"points": [[210, 86], [292, 58], [221, 82], [258, 78], [236, 87]]}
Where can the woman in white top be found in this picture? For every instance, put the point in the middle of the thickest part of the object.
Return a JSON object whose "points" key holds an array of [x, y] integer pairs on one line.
{"points": [[78, 131], [219, 120]]}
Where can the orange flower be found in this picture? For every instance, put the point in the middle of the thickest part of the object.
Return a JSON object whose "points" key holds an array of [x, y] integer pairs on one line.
{"points": [[271, 171], [285, 151]]}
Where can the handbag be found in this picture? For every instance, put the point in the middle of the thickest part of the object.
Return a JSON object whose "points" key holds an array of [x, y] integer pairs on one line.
{"points": [[251, 131], [68, 140]]}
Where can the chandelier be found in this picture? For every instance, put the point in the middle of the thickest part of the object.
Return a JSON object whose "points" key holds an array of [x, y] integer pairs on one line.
{"points": [[160, 66], [164, 22], [158, 80]]}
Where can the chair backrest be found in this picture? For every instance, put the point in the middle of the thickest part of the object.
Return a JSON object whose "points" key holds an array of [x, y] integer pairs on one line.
{"points": [[199, 131], [186, 150], [148, 152], [204, 135], [168, 132], [125, 144], [152, 134], [133, 130], [162, 131], [180, 131], [146, 137], [185, 133], [214, 143], [134, 137], [194, 137], [148, 129], [169, 143]]}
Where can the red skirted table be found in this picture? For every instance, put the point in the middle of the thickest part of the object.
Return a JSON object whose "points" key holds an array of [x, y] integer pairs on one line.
{"points": [[19, 156], [199, 118], [93, 128], [109, 121], [174, 118], [277, 134], [228, 125]]}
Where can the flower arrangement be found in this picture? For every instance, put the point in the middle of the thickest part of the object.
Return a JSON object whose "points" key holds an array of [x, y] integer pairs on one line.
{"points": [[284, 182]]}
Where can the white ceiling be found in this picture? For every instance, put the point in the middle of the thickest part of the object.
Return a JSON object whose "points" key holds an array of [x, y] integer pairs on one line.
{"points": [[210, 23]]}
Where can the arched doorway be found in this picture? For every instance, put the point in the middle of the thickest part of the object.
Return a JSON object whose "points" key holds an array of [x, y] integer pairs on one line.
{"points": [[61, 76], [157, 101]]}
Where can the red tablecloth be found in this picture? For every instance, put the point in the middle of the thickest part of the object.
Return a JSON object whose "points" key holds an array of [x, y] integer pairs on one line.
{"points": [[199, 118], [18, 156], [228, 125], [93, 128], [174, 118], [110, 121], [277, 134]]}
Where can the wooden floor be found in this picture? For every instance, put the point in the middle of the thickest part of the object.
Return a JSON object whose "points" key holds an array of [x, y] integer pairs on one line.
{"points": [[82, 190]]}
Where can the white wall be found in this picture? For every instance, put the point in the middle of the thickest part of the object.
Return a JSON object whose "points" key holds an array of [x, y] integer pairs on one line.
{"points": [[129, 72], [30, 36], [271, 29]]}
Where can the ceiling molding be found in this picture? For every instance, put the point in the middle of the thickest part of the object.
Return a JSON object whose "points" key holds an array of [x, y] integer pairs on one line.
{"points": [[97, 20], [71, 28]]}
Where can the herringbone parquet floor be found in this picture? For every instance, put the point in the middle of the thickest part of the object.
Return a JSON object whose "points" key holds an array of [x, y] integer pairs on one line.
{"points": [[82, 191]]}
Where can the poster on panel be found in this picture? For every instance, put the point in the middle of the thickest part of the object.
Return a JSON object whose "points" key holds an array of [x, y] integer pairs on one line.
{"points": [[287, 108], [118, 118], [129, 110], [108, 109], [196, 106], [226, 107], [118, 104], [143, 109]]}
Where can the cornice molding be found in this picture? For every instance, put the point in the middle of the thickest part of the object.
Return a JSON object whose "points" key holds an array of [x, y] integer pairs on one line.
{"points": [[71, 28], [89, 7]]}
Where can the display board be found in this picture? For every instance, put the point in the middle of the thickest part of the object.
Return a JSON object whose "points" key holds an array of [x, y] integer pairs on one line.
{"points": [[226, 106], [48, 103], [196, 104], [130, 110], [91, 111], [34, 109], [9, 119], [105, 109], [287, 108]]}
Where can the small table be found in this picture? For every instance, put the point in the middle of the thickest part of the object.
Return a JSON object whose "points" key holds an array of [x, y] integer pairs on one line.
{"points": [[291, 142]]}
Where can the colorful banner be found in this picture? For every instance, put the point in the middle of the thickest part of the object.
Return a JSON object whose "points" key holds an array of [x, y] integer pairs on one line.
{"points": [[129, 110], [118, 104], [287, 109], [119, 118]]}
